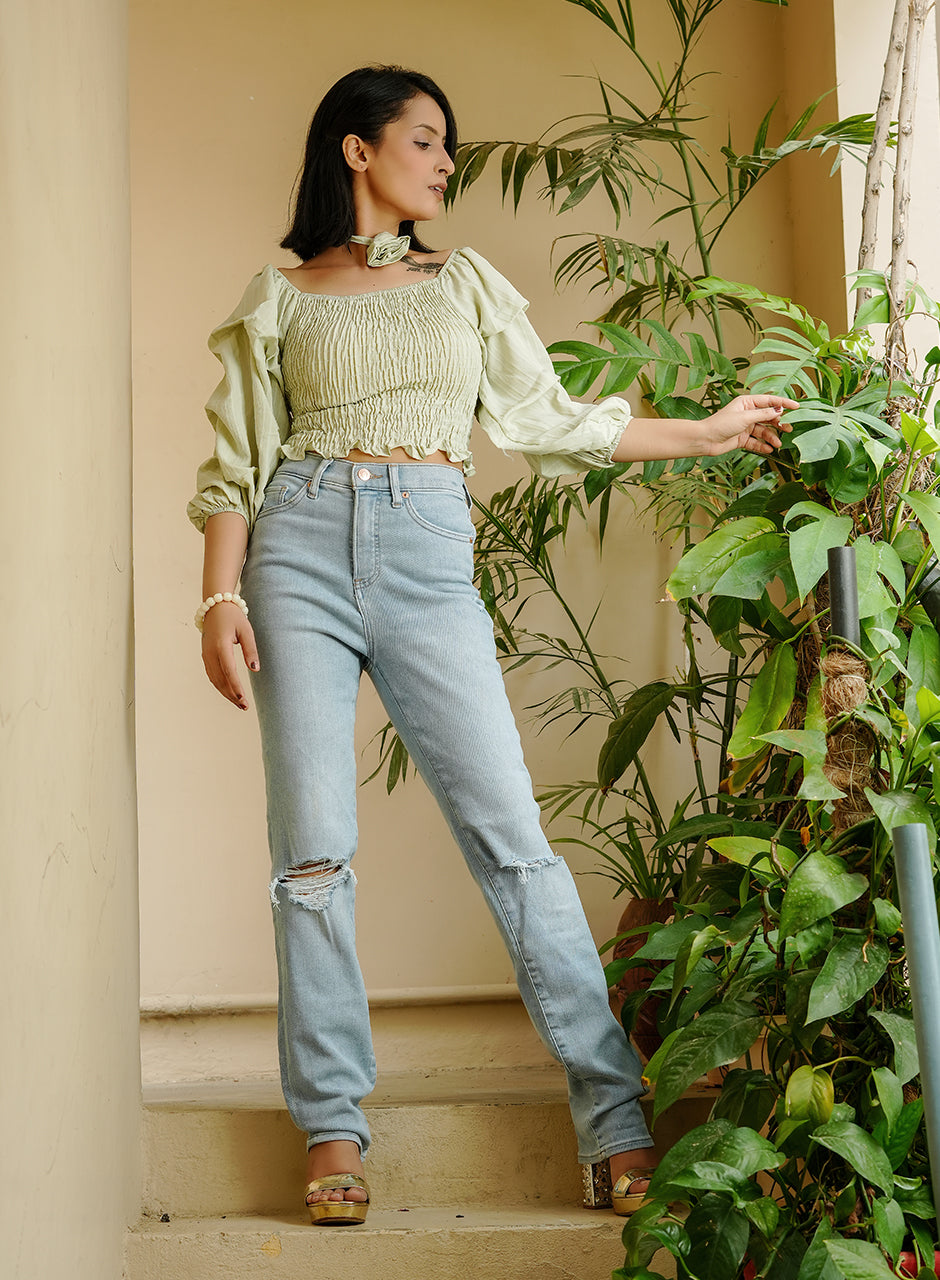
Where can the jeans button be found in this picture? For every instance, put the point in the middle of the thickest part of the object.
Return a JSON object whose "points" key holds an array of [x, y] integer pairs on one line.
{"points": [[363, 474]]}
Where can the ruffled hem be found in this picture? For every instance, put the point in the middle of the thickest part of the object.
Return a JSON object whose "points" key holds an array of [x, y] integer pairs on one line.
{"points": [[336, 445]]}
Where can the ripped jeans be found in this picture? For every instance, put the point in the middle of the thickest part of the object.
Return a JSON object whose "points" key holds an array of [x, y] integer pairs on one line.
{"points": [[354, 568]]}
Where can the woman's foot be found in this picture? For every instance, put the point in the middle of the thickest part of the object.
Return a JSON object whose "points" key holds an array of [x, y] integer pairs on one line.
{"points": [[628, 1185], [326, 1158]]}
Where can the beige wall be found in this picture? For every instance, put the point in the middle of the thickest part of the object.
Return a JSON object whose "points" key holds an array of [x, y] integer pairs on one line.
{"points": [[221, 94], [68, 906]]}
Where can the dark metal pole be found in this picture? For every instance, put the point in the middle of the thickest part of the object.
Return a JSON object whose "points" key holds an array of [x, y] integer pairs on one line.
{"points": [[843, 596], [922, 945]]}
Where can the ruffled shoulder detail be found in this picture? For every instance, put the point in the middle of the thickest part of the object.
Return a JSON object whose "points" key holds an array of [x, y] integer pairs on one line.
{"points": [[263, 309], [480, 293]]}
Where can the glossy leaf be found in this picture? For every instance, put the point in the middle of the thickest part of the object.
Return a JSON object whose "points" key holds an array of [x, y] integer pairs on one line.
{"points": [[630, 730], [770, 699], [858, 1260], [859, 1150], [820, 885], [704, 564], [901, 1030], [890, 1094], [719, 1234], [753, 852], [810, 1095], [898, 808], [851, 968], [889, 1226], [716, 1038], [810, 544], [926, 506]]}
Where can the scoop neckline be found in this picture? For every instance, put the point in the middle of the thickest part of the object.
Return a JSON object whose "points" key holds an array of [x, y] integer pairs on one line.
{"points": [[367, 293]]}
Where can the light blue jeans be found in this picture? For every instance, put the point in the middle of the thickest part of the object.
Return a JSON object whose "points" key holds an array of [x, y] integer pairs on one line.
{"points": [[354, 568]]}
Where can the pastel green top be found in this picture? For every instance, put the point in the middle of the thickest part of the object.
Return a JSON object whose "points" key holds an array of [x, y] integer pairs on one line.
{"points": [[407, 367]]}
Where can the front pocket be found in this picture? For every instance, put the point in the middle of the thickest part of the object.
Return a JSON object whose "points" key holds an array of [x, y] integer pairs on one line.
{"points": [[441, 511], [283, 490]]}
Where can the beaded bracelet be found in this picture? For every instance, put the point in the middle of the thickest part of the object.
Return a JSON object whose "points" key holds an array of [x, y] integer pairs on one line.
{"points": [[228, 596]]}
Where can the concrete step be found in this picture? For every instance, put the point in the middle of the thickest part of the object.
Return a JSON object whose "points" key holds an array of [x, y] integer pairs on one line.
{"points": [[474, 1139], [449, 1243]]}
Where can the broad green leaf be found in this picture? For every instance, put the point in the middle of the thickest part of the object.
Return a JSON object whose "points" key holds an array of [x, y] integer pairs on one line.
{"points": [[820, 885], [719, 1233], [926, 506], [851, 968], [747, 1099], [923, 668], [714, 1039], [859, 1260], [810, 544], [709, 1175], [810, 1095], [666, 943], [704, 564], [898, 1143], [815, 938], [697, 1144], [630, 730], [770, 699], [859, 1150], [889, 1226], [817, 1264], [890, 1094], [747, 1151], [749, 851], [928, 706], [873, 596], [898, 808], [887, 917], [764, 1214], [904, 1039], [891, 567], [690, 953]]}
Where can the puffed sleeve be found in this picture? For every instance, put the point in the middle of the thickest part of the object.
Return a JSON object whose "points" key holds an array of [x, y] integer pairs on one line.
{"points": [[522, 405], [248, 409]]}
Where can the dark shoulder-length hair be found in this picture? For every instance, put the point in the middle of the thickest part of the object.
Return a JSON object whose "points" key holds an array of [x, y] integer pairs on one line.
{"points": [[362, 102]]}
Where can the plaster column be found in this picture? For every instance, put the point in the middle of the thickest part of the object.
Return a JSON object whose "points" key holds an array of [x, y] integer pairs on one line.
{"points": [[69, 1102]]}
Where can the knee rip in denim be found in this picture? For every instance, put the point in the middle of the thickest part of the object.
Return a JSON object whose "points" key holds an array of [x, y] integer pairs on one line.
{"points": [[525, 866], [311, 885]]}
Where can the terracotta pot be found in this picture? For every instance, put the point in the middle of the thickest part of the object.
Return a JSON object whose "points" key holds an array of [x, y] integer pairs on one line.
{"points": [[639, 912], [907, 1264]]}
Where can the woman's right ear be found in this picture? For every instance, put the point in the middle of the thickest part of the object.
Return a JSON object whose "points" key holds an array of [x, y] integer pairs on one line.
{"points": [[356, 153]]}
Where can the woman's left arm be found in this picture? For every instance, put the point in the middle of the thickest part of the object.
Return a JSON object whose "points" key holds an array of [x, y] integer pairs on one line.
{"points": [[747, 422]]}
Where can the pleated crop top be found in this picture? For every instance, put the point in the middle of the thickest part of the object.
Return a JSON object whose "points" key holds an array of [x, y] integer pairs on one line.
{"points": [[408, 367]]}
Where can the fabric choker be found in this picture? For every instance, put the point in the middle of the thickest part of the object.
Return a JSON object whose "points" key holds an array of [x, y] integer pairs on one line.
{"points": [[383, 248]]}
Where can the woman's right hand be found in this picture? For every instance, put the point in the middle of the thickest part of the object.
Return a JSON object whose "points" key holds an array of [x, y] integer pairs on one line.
{"points": [[224, 627]]}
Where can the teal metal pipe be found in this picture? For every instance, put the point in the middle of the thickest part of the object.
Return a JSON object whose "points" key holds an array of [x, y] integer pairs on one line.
{"points": [[922, 945]]}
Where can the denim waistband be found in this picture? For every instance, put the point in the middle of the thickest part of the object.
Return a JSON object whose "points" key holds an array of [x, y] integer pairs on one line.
{"points": [[393, 478]]}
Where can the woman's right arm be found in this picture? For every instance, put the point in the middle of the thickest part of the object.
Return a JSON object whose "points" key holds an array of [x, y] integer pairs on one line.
{"points": [[225, 625]]}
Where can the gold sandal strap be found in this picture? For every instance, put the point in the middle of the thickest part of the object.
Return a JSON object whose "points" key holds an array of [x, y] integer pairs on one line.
{"points": [[338, 1182], [627, 1179]]}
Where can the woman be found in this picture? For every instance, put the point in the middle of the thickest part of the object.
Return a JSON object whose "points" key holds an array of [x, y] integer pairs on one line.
{"points": [[336, 492]]}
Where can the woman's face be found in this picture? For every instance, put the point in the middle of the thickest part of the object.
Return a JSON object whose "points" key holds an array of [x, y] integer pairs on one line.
{"points": [[403, 177]]}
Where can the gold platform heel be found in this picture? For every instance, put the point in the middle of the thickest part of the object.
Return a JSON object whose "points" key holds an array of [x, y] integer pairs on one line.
{"points": [[338, 1213], [625, 1201], [595, 1183]]}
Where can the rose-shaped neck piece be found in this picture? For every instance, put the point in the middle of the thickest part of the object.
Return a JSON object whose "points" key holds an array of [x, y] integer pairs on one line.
{"points": [[383, 248]]}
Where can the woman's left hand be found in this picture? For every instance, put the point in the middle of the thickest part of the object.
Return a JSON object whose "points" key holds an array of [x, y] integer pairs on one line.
{"points": [[748, 422]]}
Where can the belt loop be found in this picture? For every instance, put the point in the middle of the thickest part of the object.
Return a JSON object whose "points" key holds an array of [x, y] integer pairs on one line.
{"points": [[394, 484], [313, 487]]}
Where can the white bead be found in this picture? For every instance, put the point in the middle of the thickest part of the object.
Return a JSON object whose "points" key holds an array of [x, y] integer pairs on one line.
{"points": [[218, 597], [227, 595]]}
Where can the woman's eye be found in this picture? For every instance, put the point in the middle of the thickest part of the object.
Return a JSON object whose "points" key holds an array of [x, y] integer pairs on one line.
{"points": [[423, 145]]}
